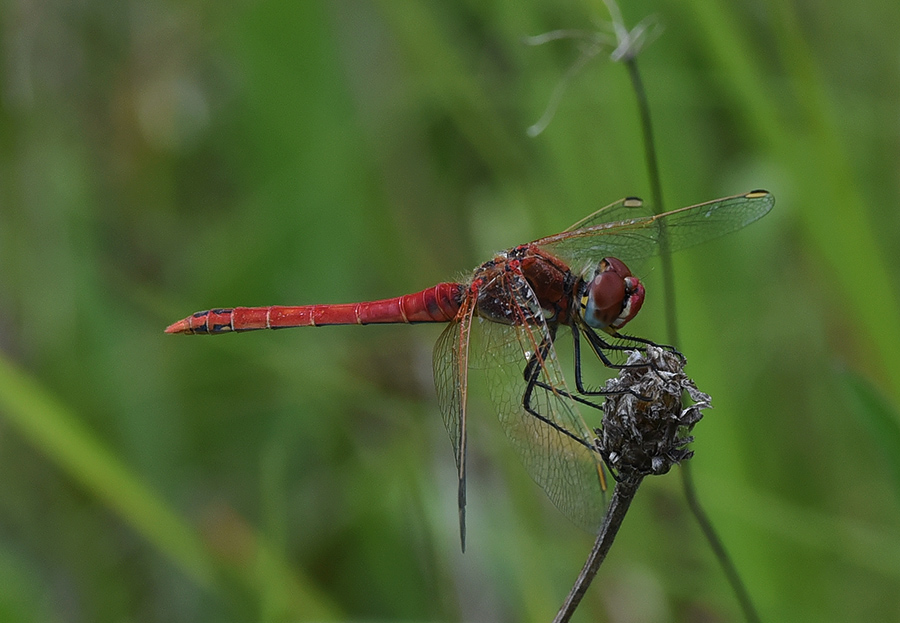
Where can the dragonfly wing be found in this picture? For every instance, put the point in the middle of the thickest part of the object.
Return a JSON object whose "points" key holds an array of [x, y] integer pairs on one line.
{"points": [[621, 210], [638, 237], [555, 448], [451, 370]]}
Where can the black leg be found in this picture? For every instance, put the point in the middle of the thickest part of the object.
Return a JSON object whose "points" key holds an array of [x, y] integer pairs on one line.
{"points": [[598, 345], [532, 374], [641, 340]]}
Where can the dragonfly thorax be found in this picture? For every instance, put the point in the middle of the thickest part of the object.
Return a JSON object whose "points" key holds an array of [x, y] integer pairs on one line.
{"points": [[612, 297], [524, 286]]}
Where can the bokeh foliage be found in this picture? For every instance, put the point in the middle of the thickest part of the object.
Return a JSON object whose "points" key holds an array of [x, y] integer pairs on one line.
{"points": [[160, 158]]}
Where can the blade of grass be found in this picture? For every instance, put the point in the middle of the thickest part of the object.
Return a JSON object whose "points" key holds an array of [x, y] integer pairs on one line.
{"points": [[58, 433], [879, 416]]}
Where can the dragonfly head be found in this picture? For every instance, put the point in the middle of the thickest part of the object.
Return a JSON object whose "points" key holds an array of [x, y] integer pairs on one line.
{"points": [[613, 297]]}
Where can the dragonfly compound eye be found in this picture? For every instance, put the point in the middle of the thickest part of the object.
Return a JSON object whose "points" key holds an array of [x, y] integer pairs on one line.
{"points": [[634, 298], [613, 296]]}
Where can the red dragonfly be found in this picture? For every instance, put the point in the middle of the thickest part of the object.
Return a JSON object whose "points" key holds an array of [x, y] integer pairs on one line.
{"points": [[505, 320]]}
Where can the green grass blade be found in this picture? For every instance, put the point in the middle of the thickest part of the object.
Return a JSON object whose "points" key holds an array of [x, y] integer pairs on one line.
{"points": [[878, 415], [57, 432]]}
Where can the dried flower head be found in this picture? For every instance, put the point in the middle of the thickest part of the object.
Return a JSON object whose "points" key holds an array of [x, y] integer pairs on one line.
{"points": [[646, 428]]}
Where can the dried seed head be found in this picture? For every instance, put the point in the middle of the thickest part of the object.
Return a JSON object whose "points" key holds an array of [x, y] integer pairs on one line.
{"points": [[645, 427]]}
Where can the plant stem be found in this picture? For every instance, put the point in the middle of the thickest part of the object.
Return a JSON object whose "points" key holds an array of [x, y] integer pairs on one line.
{"points": [[623, 494], [668, 274], [731, 572]]}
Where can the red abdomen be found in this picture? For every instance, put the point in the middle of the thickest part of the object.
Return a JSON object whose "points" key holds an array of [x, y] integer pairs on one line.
{"points": [[439, 303]]}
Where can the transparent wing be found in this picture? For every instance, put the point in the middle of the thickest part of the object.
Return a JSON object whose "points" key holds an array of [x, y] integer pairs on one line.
{"points": [[449, 381], [639, 236], [569, 472], [451, 370], [622, 210]]}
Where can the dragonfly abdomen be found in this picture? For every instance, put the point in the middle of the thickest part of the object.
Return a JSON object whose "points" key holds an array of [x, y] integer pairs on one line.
{"points": [[439, 303]]}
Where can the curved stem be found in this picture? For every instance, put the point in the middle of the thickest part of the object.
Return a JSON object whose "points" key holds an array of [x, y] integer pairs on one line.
{"points": [[728, 567], [731, 572]]}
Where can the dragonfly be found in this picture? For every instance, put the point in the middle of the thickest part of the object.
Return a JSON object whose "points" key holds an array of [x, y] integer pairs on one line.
{"points": [[505, 319]]}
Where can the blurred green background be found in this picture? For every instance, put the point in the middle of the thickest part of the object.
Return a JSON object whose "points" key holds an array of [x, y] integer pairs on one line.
{"points": [[160, 158]]}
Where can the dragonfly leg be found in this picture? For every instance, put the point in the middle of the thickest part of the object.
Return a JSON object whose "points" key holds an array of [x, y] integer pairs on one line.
{"points": [[641, 340], [575, 397], [532, 374], [598, 348]]}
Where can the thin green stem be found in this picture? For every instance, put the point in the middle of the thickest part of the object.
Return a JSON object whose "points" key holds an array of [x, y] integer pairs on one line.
{"points": [[731, 572], [690, 492], [665, 254]]}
